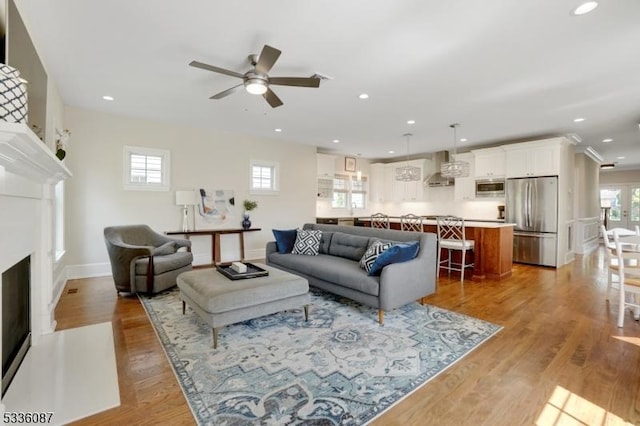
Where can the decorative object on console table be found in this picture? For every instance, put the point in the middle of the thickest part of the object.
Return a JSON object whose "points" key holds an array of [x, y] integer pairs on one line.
{"points": [[62, 142], [349, 164], [248, 206], [185, 199], [13, 95]]}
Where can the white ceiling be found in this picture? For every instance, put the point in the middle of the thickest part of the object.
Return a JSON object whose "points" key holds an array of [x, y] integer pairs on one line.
{"points": [[505, 70]]}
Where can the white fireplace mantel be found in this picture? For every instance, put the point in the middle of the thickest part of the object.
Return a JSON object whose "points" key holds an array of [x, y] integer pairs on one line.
{"points": [[22, 153], [28, 173]]}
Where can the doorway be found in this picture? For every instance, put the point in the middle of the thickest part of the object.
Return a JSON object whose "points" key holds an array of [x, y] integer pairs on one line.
{"points": [[624, 201]]}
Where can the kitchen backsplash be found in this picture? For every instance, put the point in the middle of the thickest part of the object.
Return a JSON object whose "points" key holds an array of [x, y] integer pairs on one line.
{"points": [[441, 202]]}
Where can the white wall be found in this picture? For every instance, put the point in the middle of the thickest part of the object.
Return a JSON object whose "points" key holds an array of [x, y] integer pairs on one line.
{"points": [[199, 158], [586, 187], [441, 201], [608, 177]]}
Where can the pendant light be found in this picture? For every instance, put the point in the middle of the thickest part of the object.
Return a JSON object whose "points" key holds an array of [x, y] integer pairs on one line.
{"points": [[408, 173], [455, 168]]}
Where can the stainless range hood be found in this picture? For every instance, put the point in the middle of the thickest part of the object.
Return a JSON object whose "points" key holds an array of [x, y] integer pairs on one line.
{"points": [[436, 179]]}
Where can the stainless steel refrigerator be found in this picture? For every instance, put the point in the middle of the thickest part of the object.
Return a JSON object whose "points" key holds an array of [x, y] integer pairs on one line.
{"points": [[532, 204]]}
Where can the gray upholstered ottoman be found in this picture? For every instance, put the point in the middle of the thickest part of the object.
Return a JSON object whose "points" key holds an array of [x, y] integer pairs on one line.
{"points": [[221, 301]]}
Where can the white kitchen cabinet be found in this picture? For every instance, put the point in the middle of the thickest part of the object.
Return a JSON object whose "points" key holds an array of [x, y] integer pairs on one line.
{"points": [[408, 191], [326, 165], [465, 188], [385, 187], [377, 182], [489, 163], [527, 159]]}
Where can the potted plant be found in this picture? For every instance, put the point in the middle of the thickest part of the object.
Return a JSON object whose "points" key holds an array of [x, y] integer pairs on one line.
{"points": [[248, 206]]}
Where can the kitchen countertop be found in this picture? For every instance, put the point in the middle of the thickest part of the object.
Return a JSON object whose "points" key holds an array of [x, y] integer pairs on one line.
{"points": [[431, 220]]}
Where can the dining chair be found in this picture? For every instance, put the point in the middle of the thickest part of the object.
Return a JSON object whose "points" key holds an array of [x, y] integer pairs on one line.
{"points": [[411, 222], [380, 220], [451, 237], [629, 273], [610, 257]]}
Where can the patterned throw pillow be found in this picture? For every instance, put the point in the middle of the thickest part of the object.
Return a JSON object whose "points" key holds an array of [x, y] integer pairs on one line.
{"points": [[376, 248], [307, 242]]}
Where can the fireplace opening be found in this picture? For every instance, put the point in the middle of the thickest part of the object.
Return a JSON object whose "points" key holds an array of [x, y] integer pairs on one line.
{"points": [[16, 318]]}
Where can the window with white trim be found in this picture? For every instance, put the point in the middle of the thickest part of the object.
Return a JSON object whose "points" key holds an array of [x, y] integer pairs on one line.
{"points": [[58, 233], [340, 198], [146, 169], [349, 192], [264, 177]]}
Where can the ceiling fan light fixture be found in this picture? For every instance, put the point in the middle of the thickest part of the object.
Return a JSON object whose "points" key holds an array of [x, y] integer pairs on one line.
{"points": [[256, 86]]}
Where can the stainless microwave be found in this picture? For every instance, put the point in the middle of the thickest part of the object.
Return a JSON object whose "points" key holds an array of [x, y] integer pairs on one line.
{"points": [[490, 188]]}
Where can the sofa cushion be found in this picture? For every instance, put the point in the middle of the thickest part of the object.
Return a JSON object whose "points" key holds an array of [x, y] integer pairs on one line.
{"points": [[307, 242], [369, 257], [337, 270], [162, 264], [348, 246], [325, 242], [285, 239], [395, 254], [165, 249]]}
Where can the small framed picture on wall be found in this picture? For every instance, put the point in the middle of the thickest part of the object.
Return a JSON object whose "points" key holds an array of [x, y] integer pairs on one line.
{"points": [[349, 164]]}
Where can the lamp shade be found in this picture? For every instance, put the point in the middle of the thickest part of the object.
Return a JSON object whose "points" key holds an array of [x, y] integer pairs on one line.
{"points": [[185, 198]]}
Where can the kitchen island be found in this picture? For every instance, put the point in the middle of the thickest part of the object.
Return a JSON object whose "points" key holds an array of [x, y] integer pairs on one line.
{"points": [[493, 252]]}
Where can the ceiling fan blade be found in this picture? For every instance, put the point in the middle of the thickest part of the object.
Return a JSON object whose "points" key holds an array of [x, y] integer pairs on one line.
{"points": [[215, 69], [271, 97], [226, 92], [266, 59], [295, 81]]}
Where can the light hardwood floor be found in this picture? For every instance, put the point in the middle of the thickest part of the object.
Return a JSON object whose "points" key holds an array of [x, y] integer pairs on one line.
{"points": [[560, 358]]}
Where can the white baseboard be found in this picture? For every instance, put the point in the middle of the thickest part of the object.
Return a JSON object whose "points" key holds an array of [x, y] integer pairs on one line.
{"points": [[88, 270], [255, 254], [59, 283], [587, 247], [72, 272]]}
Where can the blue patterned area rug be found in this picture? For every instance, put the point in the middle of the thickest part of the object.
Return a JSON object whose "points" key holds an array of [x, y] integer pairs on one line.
{"points": [[339, 368]]}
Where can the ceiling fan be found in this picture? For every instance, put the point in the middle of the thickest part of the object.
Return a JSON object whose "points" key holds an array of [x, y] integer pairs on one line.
{"points": [[257, 81]]}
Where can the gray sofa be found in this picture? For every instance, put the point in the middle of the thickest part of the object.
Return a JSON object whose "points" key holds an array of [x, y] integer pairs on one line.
{"points": [[337, 270]]}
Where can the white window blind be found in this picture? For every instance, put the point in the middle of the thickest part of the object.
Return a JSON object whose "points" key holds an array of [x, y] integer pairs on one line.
{"points": [[146, 169], [264, 177]]}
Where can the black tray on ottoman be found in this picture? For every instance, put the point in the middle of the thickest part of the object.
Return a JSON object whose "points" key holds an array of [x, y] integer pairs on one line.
{"points": [[253, 271]]}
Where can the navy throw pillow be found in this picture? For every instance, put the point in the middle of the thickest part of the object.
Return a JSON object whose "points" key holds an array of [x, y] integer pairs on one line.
{"points": [[285, 239], [395, 254]]}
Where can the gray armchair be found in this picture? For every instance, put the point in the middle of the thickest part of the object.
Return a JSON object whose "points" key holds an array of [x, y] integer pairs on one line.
{"points": [[143, 260]]}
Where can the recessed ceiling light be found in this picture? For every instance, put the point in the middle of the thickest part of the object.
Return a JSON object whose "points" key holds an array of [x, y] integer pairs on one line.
{"points": [[584, 8], [336, 141], [107, 98], [578, 120], [392, 152], [607, 140], [278, 130], [621, 157], [463, 139], [411, 122], [363, 96]]}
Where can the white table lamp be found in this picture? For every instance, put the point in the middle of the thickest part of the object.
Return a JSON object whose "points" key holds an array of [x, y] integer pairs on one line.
{"points": [[185, 199]]}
